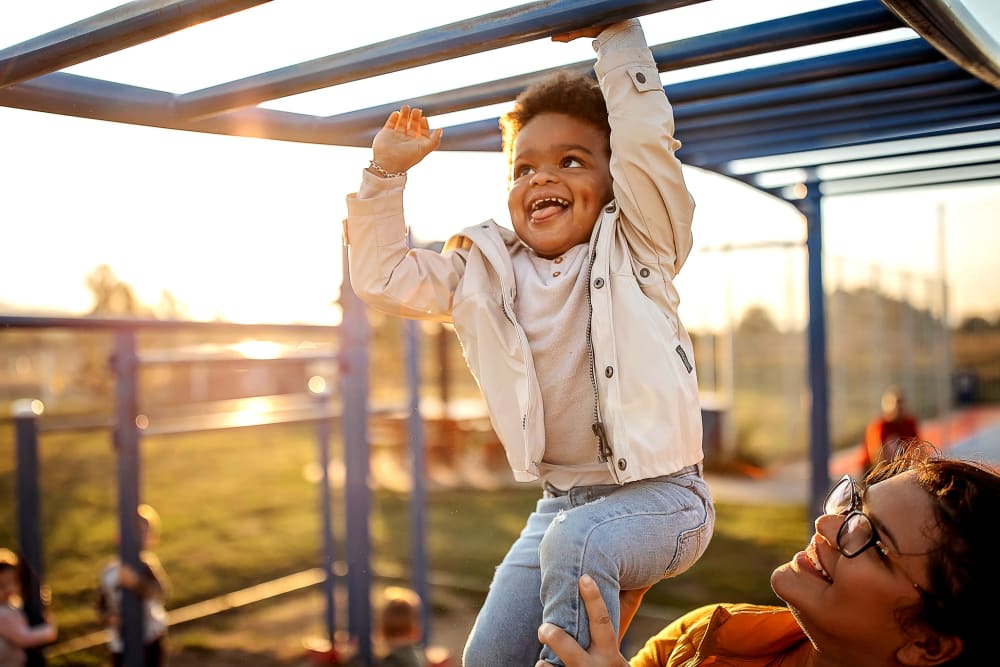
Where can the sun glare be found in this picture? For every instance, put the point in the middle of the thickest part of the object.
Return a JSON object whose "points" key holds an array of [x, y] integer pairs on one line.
{"points": [[258, 349]]}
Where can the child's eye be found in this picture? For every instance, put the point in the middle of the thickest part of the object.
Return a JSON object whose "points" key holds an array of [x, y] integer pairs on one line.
{"points": [[522, 170], [570, 163]]}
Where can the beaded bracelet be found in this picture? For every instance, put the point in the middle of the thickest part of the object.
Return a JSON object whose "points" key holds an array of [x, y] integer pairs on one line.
{"points": [[372, 164]]}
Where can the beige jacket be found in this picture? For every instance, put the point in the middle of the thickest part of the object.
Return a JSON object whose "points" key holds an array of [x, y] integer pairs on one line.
{"points": [[646, 390]]}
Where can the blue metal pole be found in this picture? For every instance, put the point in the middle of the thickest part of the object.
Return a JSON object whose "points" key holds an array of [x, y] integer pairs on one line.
{"points": [[357, 504], [29, 531], [819, 432], [418, 499], [125, 363], [326, 518], [507, 27]]}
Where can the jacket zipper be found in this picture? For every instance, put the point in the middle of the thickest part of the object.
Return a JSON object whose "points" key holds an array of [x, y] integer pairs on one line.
{"points": [[506, 308], [604, 453]]}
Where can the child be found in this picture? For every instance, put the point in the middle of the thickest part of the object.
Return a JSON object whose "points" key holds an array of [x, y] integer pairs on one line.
{"points": [[570, 327], [149, 583], [15, 633], [401, 629]]}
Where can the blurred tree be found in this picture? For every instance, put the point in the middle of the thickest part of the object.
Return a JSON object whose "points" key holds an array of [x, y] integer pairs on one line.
{"points": [[112, 296], [757, 319], [976, 323], [170, 308]]}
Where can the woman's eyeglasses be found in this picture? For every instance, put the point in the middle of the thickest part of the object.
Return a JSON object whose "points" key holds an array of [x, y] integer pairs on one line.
{"points": [[858, 533]]}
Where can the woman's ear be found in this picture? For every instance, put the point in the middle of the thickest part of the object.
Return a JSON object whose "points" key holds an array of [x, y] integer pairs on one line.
{"points": [[929, 648]]}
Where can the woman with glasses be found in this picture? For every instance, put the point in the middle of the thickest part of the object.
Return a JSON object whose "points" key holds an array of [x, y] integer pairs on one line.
{"points": [[900, 572]]}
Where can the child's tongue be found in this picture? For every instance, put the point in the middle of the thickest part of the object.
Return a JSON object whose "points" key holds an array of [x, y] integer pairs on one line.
{"points": [[544, 213]]}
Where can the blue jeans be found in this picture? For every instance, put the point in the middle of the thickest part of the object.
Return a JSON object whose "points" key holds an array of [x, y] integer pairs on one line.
{"points": [[625, 537]]}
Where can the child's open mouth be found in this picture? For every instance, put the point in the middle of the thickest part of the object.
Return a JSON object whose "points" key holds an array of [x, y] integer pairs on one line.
{"points": [[549, 207]]}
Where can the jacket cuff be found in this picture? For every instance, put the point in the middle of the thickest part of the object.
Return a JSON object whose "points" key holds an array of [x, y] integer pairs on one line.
{"points": [[619, 36], [374, 186], [377, 218]]}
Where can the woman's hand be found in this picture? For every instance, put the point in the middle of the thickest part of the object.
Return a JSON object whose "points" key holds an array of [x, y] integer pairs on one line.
{"points": [[404, 140], [603, 651]]}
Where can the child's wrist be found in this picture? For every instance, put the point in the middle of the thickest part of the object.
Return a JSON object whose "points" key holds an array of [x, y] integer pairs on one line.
{"points": [[383, 172]]}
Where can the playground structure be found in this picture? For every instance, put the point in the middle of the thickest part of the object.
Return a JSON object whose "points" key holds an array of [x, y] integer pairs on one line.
{"points": [[777, 128]]}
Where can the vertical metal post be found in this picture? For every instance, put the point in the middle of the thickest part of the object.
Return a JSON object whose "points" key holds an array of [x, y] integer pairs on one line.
{"points": [[945, 387], [418, 499], [29, 524], [125, 362], [323, 443], [357, 503], [819, 430]]}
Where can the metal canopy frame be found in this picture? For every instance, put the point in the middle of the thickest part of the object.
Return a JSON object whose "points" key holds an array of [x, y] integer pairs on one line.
{"points": [[934, 97], [944, 84]]}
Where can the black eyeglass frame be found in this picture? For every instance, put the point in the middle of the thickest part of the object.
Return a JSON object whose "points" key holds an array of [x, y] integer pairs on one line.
{"points": [[854, 513]]}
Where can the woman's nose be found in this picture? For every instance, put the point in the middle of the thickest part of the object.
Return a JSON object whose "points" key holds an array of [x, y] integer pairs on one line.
{"points": [[827, 526]]}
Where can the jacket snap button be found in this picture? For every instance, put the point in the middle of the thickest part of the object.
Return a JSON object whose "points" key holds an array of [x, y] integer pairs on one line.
{"points": [[610, 208], [644, 272], [640, 77], [599, 283], [609, 371], [622, 464]]}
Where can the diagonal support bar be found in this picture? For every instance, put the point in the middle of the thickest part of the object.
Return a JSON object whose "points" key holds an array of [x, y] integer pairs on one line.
{"points": [[116, 29], [483, 33]]}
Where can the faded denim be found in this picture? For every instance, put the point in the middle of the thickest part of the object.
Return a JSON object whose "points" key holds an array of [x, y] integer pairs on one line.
{"points": [[625, 537]]}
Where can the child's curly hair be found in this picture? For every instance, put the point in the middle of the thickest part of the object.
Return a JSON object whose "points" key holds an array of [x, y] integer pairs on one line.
{"points": [[570, 92]]}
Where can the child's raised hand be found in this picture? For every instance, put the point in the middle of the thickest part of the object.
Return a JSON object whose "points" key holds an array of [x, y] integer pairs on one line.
{"points": [[592, 31], [404, 140], [128, 577]]}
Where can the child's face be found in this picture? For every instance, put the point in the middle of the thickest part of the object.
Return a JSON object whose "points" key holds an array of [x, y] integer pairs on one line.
{"points": [[9, 586], [560, 180]]}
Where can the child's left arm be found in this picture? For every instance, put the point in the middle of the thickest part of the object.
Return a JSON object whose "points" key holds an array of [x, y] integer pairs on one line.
{"points": [[649, 186], [15, 629]]}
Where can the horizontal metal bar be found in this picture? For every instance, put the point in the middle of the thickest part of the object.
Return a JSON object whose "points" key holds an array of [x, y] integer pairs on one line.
{"points": [[116, 29], [765, 37], [112, 323], [820, 68], [169, 358], [63, 93], [821, 117], [499, 29], [916, 82], [974, 117], [888, 151], [924, 178], [820, 26], [955, 31], [913, 59]]}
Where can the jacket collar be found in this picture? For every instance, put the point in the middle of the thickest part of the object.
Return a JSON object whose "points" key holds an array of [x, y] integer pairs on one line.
{"points": [[743, 630]]}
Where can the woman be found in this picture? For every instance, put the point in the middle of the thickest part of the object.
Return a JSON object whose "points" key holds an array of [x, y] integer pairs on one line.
{"points": [[899, 573]]}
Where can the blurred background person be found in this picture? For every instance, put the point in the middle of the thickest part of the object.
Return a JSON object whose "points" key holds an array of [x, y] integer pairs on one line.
{"points": [[884, 433], [15, 633]]}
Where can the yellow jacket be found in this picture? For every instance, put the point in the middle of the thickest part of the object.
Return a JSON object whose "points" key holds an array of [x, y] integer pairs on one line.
{"points": [[723, 635]]}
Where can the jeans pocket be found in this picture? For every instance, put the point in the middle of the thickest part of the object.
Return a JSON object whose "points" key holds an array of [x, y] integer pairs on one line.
{"points": [[691, 544]]}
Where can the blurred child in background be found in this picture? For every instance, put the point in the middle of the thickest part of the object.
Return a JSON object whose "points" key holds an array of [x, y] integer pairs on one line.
{"points": [[149, 583], [15, 633]]}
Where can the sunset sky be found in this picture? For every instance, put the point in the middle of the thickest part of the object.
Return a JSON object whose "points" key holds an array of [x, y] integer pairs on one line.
{"points": [[249, 229]]}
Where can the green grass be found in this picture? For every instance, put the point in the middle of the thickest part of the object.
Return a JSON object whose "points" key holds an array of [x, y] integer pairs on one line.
{"points": [[237, 510]]}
